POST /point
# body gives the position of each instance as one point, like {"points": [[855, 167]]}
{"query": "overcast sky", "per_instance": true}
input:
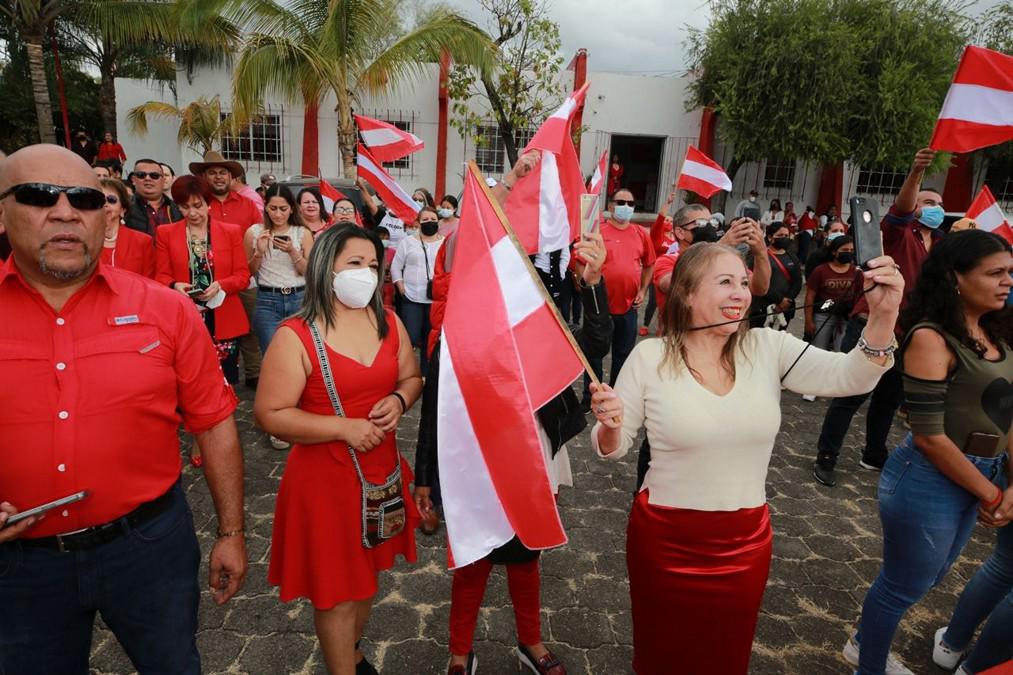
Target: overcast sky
{"points": [[636, 36]]}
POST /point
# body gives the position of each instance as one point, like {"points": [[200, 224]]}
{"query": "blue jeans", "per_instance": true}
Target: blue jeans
{"points": [[886, 398], [144, 584], [989, 594], [272, 309], [927, 520], [624, 339], [415, 316]]}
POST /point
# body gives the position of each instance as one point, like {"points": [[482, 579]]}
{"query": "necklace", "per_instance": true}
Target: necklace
{"points": [[199, 245]]}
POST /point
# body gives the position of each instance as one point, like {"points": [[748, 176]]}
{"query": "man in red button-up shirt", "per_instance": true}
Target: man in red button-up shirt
{"points": [[99, 367]]}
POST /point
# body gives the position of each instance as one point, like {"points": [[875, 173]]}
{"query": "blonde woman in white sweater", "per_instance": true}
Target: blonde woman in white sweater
{"points": [[708, 392]]}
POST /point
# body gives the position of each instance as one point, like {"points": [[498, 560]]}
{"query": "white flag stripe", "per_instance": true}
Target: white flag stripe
{"points": [[553, 217], [566, 109], [476, 521], [366, 165], [990, 218], [978, 104], [520, 294], [708, 174], [374, 137]]}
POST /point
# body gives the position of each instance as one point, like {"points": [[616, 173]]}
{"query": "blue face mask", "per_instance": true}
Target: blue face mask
{"points": [[932, 216], [622, 213]]}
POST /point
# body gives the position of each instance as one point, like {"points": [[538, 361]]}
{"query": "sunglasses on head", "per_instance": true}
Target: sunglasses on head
{"points": [[624, 202], [45, 195], [153, 175]]}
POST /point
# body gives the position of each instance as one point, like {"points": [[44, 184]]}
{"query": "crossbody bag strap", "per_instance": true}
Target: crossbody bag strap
{"points": [[332, 391], [425, 256]]}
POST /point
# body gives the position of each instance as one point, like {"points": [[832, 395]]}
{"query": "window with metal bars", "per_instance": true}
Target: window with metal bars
{"points": [[489, 149], [880, 181], [999, 179], [259, 141], [779, 174], [406, 161]]}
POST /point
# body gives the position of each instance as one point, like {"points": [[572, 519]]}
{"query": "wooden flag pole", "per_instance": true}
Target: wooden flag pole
{"points": [[473, 168]]}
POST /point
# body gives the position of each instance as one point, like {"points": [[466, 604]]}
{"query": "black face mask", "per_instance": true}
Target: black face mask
{"points": [[846, 258], [705, 233], [778, 243], [429, 228]]}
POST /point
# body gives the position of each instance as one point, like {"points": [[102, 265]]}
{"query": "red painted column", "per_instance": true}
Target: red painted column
{"points": [[708, 123], [441, 128], [579, 78], [959, 184], [310, 140], [831, 189]]}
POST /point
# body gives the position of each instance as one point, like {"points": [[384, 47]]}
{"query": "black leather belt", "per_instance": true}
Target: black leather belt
{"points": [[103, 534], [288, 290]]}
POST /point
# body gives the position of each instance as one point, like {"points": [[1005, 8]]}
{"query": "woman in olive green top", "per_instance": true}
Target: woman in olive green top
{"points": [[953, 467]]}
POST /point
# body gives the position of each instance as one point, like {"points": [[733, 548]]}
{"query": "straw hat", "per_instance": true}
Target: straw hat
{"points": [[213, 158]]}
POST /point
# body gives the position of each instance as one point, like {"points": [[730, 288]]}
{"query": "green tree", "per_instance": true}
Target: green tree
{"points": [[307, 49], [826, 80], [201, 123], [525, 88]]}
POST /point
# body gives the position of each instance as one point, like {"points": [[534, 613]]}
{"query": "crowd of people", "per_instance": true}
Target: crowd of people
{"points": [[126, 302]]}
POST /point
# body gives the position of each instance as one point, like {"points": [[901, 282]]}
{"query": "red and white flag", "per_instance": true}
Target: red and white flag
{"points": [[702, 175], [495, 372], [978, 110], [598, 177], [985, 211], [331, 196], [386, 141], [399, 202], [544, 206]]}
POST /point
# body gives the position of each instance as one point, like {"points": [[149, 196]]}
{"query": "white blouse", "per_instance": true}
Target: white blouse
{"points": [[710, 452]]}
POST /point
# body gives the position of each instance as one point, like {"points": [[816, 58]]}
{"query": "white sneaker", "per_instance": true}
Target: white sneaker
{"points": [[808, 397], [962, 671], [942, 655], [893, 664], [279, 444]]}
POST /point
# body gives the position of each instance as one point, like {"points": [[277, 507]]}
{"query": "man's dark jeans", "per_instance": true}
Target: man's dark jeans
{"points": [[886, 398], [144, 584], [624, 338]]}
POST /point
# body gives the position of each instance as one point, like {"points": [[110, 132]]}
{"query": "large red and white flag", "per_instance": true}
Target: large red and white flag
{"points": [[987, 213], [495, 372], [598, 177], [544, 206], [386, 141], [331, 195], [702, 175], [394, 197], [978, 110]]}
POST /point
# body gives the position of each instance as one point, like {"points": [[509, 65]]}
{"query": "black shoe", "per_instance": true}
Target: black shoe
{"points": [[364, 667], [872, 463], [824, 473]]}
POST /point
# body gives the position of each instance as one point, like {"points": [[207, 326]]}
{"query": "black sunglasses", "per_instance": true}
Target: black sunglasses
{"points": [[112, 199], [624, 202], [46, 195], [153, 175]]}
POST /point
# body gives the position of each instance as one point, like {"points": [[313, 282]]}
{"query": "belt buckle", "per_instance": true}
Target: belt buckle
{"points": [[286, 290], [59, 544]]}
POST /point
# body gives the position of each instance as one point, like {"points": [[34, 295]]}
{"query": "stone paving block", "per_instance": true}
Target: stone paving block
{"points": [[219, 649], [581, 627], [277, 653]]}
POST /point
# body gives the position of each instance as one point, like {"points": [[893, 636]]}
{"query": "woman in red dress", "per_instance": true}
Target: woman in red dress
{"points": [[319, 549], [124, 248]]}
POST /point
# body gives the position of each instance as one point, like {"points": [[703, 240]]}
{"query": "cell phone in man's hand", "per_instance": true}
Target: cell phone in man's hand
{"points": [[38, 510]]}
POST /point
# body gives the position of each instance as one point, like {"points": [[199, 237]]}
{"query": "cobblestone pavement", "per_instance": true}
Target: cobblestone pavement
{"points": [[827, 548]]}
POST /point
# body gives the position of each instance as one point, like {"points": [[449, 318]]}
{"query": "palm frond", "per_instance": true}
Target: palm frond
{"points": [[271, 63], [137, 118]]}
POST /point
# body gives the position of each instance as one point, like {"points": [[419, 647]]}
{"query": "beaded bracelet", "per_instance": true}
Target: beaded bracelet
{"points": [[404, 404], [230, 533]]}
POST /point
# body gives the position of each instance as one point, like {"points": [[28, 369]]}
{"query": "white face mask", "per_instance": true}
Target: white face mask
{"points": [[354, 288], [752, 199]]}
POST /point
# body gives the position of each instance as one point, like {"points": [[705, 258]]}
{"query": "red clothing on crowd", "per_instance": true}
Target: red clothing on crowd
{"points": [[316, 545], [615, 175], [133, 252], [94, 394], [468, 589], [791, 220], [807, 223], [229, 268], [110, 152], [903, 242], [695, 575], [441, 286], [836, 286], [236, 209], [662, 236], [663, 266], [629, 252]]}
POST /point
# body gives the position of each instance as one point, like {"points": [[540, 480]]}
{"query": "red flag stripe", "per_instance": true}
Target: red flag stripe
{"points": [[985, 67], [394, 197], [978, 109], [386, 141]]}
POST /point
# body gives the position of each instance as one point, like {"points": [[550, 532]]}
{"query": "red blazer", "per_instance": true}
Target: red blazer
{"points": [[134, 251], [231, 270]]}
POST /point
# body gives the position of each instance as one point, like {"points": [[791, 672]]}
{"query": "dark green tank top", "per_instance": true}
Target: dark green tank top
{"points": [[977, 395]]}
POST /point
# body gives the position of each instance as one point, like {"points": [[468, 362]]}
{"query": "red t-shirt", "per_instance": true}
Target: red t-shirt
{"points": [[236, 209], [629, 252], [110, 151], [94, 394], [662, 236], [836, 286], [133, 252]]}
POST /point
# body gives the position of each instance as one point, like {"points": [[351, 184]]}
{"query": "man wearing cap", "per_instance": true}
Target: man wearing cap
{"points": [[150, 207], [267, 180], [229, 206], [100, 366]]}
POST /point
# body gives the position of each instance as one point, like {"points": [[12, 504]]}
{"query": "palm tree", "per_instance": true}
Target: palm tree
{"points": [[201, 123], [306, 49], [32, 20]]}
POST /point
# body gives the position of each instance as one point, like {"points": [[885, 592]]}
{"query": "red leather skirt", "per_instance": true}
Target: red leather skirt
{"points": [[696, 584]]}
